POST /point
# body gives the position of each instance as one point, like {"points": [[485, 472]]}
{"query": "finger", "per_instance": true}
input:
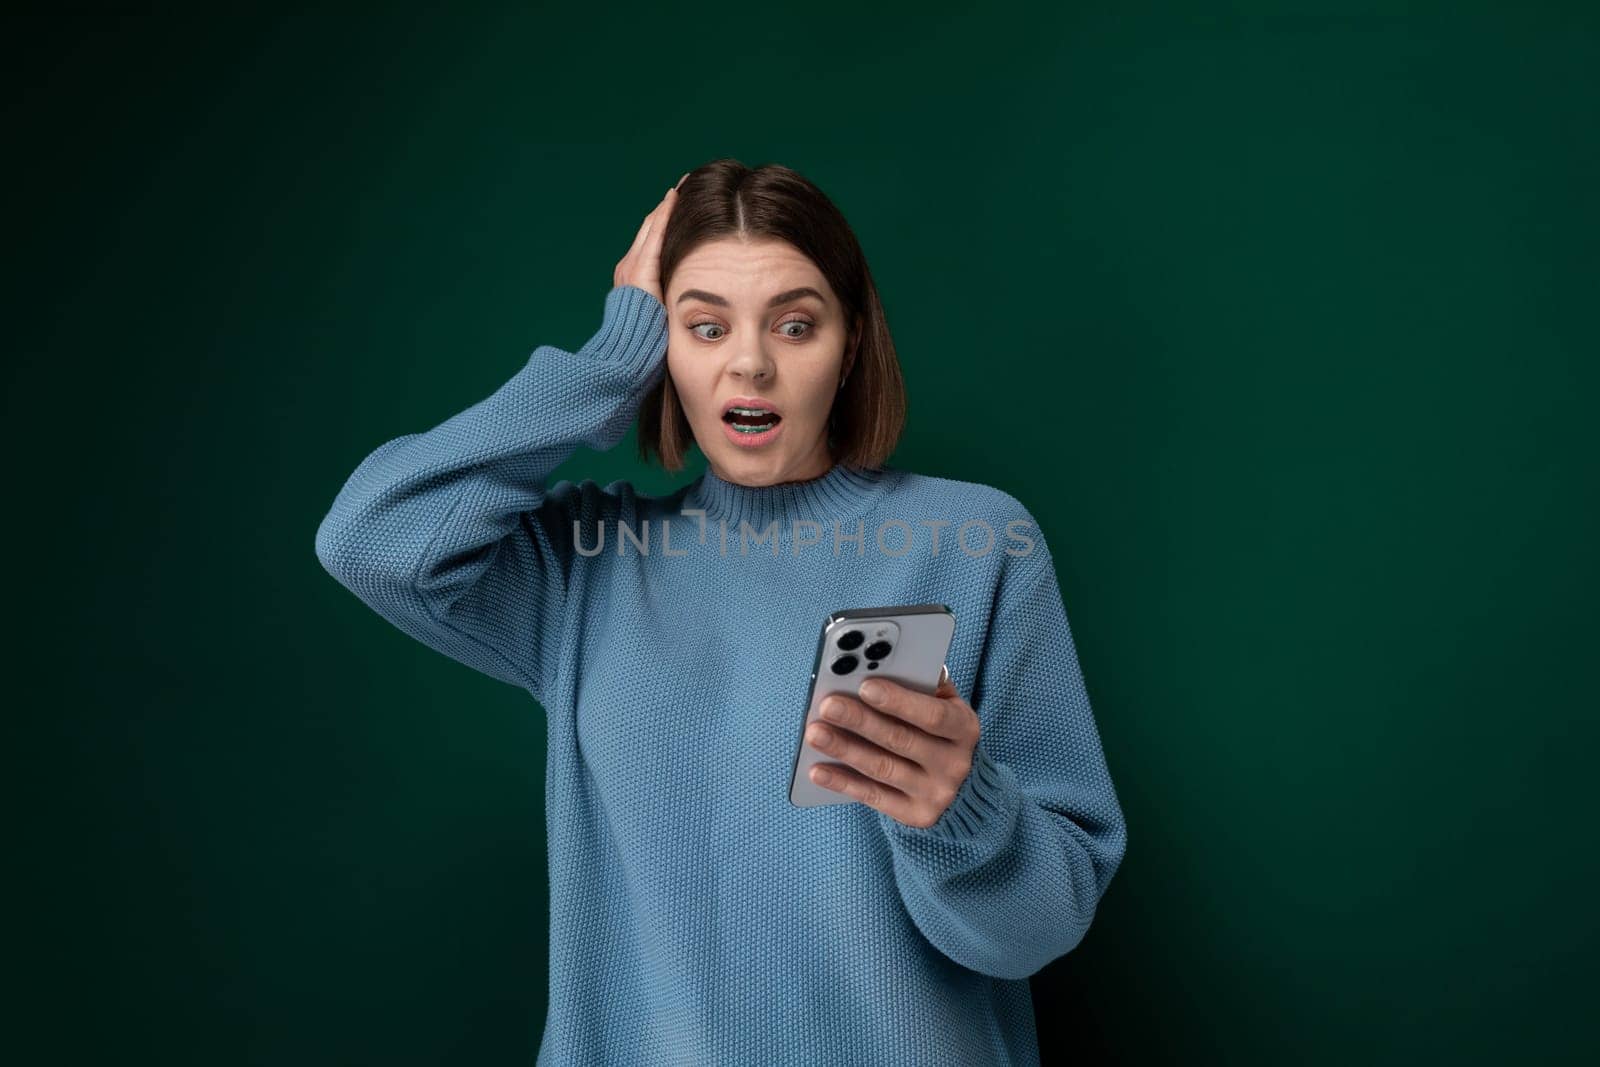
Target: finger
{"points": [[876, 763], [658, 225], [625, 264], [854, 784], [641, 245], [887, 732], [942, 716]]}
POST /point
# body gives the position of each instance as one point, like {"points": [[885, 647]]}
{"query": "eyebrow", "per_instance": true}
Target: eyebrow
{"points": [[781, 298]]}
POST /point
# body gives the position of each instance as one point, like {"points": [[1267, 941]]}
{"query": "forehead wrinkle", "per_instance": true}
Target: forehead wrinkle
{"points": [[781, 298]]}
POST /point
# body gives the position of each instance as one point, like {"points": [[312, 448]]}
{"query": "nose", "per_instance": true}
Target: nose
{"points": [[753, 364]]}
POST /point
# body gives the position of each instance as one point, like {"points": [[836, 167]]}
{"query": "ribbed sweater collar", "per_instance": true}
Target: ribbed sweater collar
{"points": [[843, 492]]}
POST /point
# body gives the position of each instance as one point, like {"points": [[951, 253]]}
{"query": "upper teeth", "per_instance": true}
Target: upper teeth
{"points": [[751, 411]]}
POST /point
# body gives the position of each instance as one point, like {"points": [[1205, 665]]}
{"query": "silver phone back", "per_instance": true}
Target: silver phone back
{"points": [[919, 638]]}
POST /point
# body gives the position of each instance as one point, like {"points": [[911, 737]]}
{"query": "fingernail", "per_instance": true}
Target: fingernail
{"points": [[820, 735], [871, 691]]}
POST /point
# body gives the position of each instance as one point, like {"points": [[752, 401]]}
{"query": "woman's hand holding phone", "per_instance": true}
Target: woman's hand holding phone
{"points": [[907, 753]]}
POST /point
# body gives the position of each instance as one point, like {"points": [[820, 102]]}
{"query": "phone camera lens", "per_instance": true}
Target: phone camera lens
{"points": [[844, 664], [878, 650], [851, 639]]}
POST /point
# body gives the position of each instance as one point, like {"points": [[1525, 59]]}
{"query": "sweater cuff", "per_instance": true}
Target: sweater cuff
{"points": [[633, 330], [986, 804]]}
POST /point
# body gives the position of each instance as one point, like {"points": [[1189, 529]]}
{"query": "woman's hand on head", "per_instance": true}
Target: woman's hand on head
{"points": [[641, 267]]}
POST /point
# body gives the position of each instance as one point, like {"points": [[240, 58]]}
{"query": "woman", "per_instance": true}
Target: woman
{"points": [[697, 916]]}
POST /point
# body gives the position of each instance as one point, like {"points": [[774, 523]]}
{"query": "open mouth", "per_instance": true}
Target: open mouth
{"points": [[751, 420]]}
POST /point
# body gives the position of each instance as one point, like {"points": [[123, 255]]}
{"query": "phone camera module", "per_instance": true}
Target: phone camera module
{"points": [[878, 650], [850, 640], [844, 664]]}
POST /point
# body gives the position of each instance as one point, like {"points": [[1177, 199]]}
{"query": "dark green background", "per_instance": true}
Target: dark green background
{"points": [[1302, 302]]}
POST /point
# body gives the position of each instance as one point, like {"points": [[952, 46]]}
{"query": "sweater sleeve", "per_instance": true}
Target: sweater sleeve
{"points": [[1010, 876], [452, 535]]}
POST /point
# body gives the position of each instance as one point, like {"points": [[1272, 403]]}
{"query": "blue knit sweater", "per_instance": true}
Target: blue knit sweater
{"points": [[696, 915]]}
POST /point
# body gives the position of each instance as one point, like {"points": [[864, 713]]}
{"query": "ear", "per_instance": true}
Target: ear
{"points": [[851, 350]]}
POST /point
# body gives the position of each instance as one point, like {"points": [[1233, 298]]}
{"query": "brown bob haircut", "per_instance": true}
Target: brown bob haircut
{"points": [[725, 198]]}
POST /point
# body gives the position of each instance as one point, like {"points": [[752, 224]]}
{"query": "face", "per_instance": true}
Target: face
{"points": [[731, 345]]}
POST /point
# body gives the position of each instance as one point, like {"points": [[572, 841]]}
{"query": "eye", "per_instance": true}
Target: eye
{"points": [[810, 327]]}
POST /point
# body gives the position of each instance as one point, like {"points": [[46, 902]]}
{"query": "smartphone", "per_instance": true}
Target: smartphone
{"points": [[906, 644]]}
